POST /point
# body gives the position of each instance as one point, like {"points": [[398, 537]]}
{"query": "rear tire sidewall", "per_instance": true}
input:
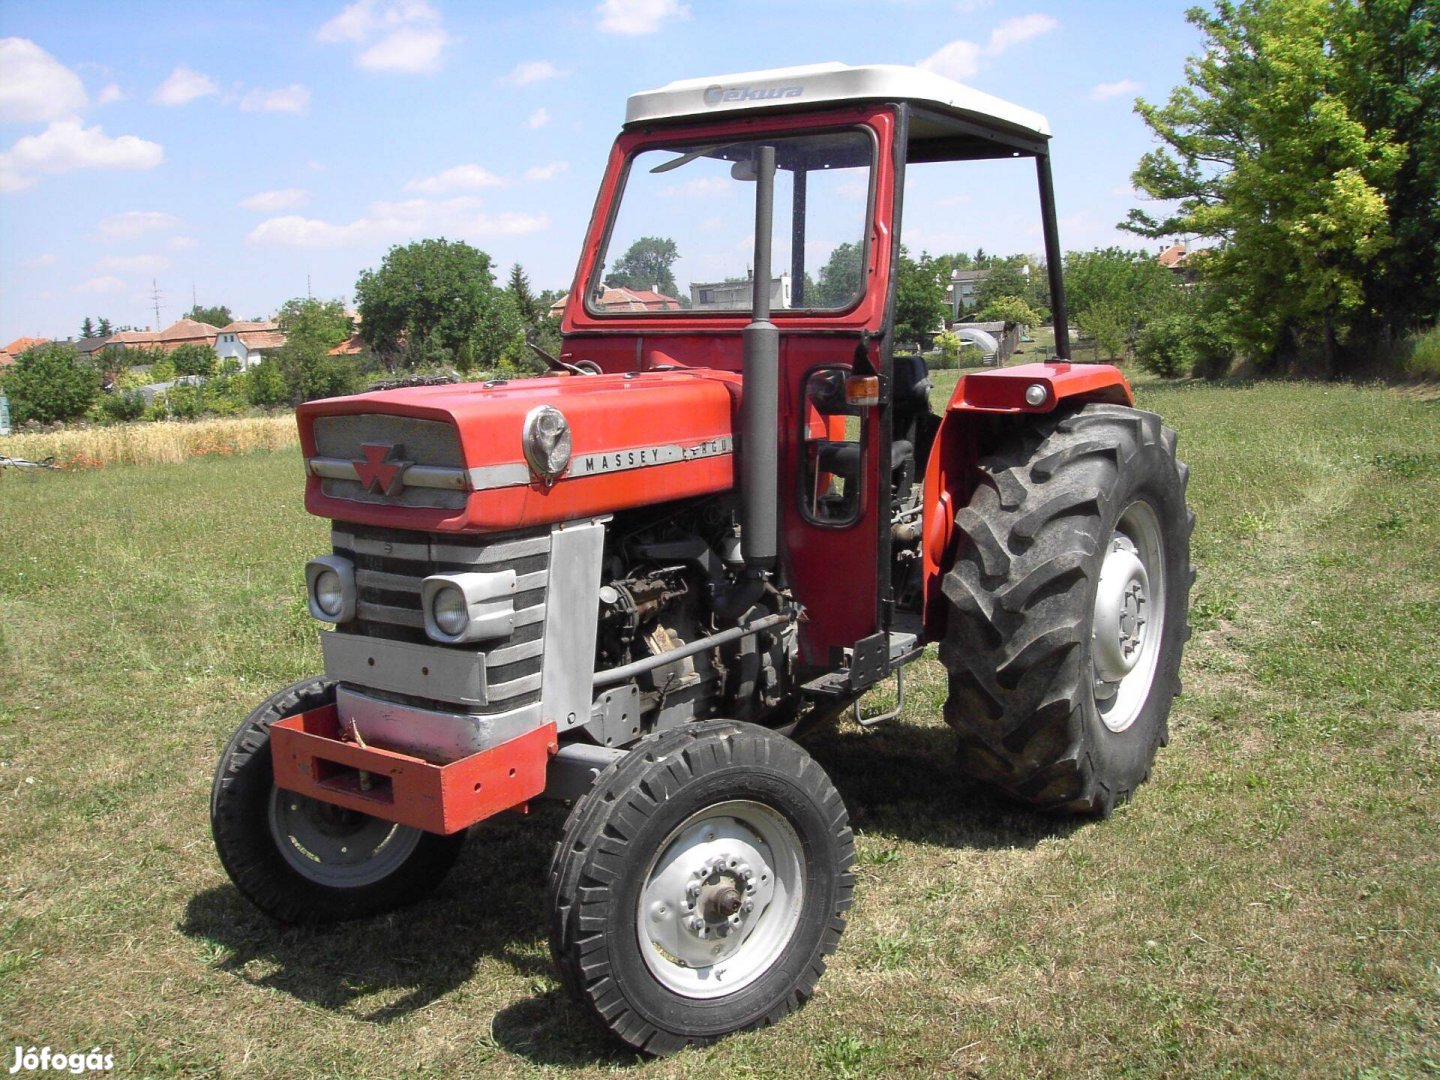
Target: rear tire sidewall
{"points": [[689, 1017], [1124, 757]]}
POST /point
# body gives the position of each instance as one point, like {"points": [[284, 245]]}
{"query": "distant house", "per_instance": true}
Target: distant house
{"points": [[1176, 259], [22, 344], [614, 298], [351, 346], [182, 332], [737, 295], [6, 359], [960, 293], [247, 342]]}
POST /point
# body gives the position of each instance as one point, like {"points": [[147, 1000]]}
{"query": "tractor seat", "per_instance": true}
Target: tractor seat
{"points": [[843, 458]]}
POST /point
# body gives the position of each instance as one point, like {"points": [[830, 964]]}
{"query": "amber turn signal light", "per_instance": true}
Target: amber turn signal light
{"points": [[862, 390]]}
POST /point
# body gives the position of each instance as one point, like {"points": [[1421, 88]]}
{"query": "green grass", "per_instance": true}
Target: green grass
{"points": [[1269, 906]]}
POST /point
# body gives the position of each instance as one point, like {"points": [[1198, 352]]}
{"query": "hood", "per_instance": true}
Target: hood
{"points": [[451, 458]]}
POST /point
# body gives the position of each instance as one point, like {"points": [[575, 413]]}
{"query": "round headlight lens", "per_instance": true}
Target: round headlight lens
{"points": [[329, 593], [450, 611], [547, 441]]}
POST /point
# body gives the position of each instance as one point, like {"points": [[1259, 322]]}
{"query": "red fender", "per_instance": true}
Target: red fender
{"points": [[950, 473]]}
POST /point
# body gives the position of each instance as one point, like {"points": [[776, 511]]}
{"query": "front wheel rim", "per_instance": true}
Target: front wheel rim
{"points": [[721, 900], [335, 847], [1128, 622]]}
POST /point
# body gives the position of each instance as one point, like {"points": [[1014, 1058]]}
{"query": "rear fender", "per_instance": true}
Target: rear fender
{"points": [[966, 431]]}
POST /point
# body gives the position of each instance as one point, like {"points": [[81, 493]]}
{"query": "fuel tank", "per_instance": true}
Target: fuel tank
{"points": [[453, 458]]}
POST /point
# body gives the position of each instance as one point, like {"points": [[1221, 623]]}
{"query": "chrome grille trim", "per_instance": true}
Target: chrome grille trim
{"points": [[390, 567]]}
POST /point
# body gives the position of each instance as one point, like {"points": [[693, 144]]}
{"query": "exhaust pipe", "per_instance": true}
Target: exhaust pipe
{"points": [[760, 406]]}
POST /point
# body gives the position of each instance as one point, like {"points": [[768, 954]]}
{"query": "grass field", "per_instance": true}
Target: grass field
{"points": [[1269, 906]]}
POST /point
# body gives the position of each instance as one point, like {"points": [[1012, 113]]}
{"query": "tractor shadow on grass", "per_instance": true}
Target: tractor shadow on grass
{"points": [[902, 781], [899, 781], [490, 908]]}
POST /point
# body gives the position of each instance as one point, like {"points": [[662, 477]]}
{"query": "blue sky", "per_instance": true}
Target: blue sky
{"points": [[229, 150]]}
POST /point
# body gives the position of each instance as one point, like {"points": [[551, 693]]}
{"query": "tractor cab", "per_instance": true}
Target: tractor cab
{"points": [[779, 194]]}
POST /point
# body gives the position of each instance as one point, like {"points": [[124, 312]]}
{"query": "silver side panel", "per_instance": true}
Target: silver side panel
{"points": [[572, 610], [398, 667], [435, 736]]}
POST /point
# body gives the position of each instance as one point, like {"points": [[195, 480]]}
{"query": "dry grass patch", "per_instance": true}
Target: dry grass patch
{"points": [[153, 443]]}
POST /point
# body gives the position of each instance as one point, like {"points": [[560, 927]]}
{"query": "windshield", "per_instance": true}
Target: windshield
{"points": [[683, 237]]}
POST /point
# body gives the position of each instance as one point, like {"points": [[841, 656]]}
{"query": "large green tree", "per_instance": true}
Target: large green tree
{"points": [[1113, 294], [919, 299], [839, 281], [647, 264], [50, 382], [1301, 131], [425, 302], [318, 322], [215, 316]]}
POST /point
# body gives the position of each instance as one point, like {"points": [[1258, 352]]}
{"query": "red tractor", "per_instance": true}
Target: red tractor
{"points": [[724, 517]]}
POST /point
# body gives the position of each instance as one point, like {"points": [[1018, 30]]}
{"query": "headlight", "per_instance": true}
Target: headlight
{"points": [[461, 608], [451, 611], [329, 594], [330, 588], [547, 442]]}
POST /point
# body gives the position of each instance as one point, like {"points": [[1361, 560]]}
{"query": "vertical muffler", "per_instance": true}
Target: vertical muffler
{"points": [[760, 406]]}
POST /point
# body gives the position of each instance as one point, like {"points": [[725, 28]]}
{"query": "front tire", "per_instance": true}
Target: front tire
{"points": [[302, 861], [1067, 608], [699, 886]]}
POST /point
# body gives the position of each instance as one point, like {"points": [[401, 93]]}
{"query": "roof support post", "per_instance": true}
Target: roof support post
{"points": [[1054, 260]]}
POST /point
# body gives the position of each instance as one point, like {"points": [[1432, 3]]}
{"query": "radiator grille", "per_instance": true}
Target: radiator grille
{"points": [[428, 444], [390, 564]]}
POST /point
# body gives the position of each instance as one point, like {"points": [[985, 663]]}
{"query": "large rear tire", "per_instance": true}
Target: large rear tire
{"points": [[1067, 608], [699, 886], [302, 861]]}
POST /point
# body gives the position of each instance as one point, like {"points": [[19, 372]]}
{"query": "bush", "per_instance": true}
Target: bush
{"points": [[949, 344], [49, 383], [124, 405], [1424, 358], [1185, 344], [1011, 310], [194, 360], [265, 385]]}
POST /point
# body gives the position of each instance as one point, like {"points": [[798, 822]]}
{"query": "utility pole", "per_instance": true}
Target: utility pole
{"points": [[309, 295], [155, 297]]}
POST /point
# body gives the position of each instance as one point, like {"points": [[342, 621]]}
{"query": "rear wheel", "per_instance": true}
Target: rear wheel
{"points": [[1067, 608], [699, 886], [303, 861]]}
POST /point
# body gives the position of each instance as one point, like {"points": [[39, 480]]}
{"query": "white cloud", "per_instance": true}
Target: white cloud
{"points": [[538, 119], [546, 172], [133, 264], [40, 261], [293, 99], [459, 217], [962, 59], [460, 178], [1123, 88], [1012, 32], [110, 94], [36, 87], [638, 16], [411, 51], [136, 223], [183, 86], [66, 146], [531, 71], [183, 243], [706, 187], [107, 285], [315, 166], [270, 201], [957, 60], [410, 35], [970, 7]]}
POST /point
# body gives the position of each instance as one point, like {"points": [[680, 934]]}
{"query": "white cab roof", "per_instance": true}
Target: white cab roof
{"points": [[822, 84]]}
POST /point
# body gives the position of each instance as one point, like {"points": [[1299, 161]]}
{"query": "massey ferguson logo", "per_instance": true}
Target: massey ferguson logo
{"points": [[382, 470], [715, 95]]}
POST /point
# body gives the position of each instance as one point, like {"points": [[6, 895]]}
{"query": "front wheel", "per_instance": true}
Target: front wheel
{"points": [[1067, 608], [304, 861], [699, 886]]}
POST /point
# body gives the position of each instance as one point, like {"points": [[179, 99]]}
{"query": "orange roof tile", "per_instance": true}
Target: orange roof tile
{"points": [[21, 344], [187, 329]]}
